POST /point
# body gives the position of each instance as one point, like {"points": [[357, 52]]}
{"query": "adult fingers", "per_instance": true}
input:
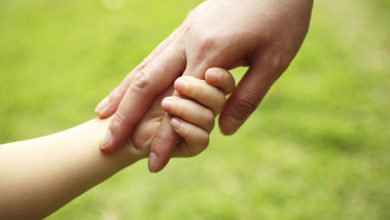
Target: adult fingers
{"points": [[163, 145], [144, 87], [220, 78], [110, 104], [245, 98]]}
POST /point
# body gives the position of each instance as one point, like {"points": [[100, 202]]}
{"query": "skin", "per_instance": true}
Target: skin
{"points": [[39, 176], [262, 34]]}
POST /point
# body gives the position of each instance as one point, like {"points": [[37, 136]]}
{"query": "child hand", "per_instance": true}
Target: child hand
{"points": [[193, 112]]}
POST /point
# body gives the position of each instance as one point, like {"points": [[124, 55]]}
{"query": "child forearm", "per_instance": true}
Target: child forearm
{"points": [[39, 176]]}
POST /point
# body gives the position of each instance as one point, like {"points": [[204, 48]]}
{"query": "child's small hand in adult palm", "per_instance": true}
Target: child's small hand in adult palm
{"points": [[193, 112]]}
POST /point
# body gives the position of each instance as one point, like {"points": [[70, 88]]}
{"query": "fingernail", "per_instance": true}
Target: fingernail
{"points": [[212, 76], [153, 160], [107, 140], [167, 105], [230, 124], [180, 85], [175, 123], [102, 105]]}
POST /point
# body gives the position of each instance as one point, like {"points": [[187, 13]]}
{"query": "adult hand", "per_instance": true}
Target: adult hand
{"points": [[263, 34]]}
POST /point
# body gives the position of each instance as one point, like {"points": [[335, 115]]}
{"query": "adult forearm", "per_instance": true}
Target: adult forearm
{"points": [[39, 176]]}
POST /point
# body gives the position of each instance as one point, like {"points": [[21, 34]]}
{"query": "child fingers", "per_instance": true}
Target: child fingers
{"points": [[190, 111], [202, 92], [220, 78], [195, 138]]}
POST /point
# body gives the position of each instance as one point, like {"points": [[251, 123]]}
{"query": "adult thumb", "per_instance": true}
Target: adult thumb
{"points": [[245, 98]]}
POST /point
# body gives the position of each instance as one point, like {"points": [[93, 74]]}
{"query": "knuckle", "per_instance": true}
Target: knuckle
{"points": [[177, 110], [163, 66], [192, 86], [278, 63], [186, 131], [140, 81], [177, 106], [118, 119], [206, 44], [207, 41], [244, 105], [210, 119], [158, 141], [142, 65], [196, 91], [187, 27], [201, 89], [192, 89], [119, 124]]}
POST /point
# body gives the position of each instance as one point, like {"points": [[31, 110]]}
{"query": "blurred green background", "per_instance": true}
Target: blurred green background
{"points": [[317, 148]]}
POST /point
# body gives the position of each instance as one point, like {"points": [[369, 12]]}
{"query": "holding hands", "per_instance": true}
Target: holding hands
{"points": [[262, 34], [57, 168], [155, 114], [193, 113]]}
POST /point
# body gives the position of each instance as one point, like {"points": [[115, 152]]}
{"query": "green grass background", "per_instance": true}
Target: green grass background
{"points": [[317, 148]]}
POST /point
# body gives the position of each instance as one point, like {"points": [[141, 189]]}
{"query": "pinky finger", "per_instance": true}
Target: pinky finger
{"points": [[195, 138]]}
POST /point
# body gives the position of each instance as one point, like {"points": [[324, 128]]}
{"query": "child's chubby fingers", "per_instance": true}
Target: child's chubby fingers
{"points": [[220, 78], [195, 138], [190, 111], [199, 90]]}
